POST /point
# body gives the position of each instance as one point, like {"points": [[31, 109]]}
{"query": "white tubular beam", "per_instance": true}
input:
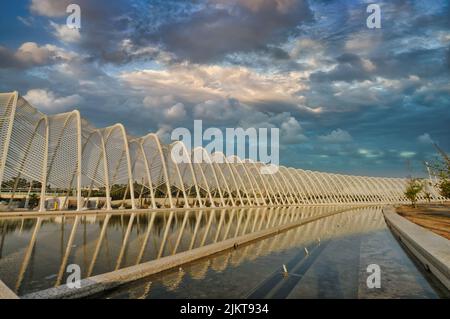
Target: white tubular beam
{"points": [[218, 160], [295, 180], [149, 175], [286, 189], [44, 168], [258, 171], [202, 174], [66, 155], [128, 159], [214, 174], [9, 114], [308, 196], [178, 173], [79, 199]]}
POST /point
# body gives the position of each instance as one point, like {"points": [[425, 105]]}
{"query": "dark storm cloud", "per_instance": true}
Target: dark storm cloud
{"points": [[206, 33], [426, 63], [241, 26], [30, 55], [350, 67], [8, 60], [104, 25]]}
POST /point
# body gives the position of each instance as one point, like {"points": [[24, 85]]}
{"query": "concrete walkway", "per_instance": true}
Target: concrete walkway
{"points": [[431, 249]]}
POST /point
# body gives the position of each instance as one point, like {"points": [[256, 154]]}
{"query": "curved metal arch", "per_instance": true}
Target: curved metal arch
{"points": [[258, 170], [189, 164], [5, 145], [201, 149], [370, 188], [288, 194], [248, 163], [156, 140], [285, 173], [330, 192], [388, 186], [367, 187], [319, 186], [338, 188], [77, 169], [233, 176], [352, 196], [385, 195], [355, 180], [300, 193], [308, 196], [310, 184], [109, 130], [147, 159], [238, 161], [102, 158], [222, 176], [280, 193]]}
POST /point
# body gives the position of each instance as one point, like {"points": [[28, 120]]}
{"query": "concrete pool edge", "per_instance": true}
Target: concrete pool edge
{"points": [[33, 214], [431, 249], [6, 293], [100, 283]]}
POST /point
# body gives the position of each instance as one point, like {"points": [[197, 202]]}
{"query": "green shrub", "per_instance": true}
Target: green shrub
{"points": [[413, 188]]}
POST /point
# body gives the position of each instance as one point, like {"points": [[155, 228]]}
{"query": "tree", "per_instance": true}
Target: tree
{"points": [[413, 188], [33, 201], [427, 196], [441, 168], [444, 187]]}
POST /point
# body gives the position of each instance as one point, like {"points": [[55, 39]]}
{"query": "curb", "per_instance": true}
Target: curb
{"points": [[6, 293], [32, 214], [431, 249]]}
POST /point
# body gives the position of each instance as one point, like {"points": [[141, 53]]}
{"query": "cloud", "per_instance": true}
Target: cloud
{"points": [[371, 154], [349, 67], [176, 112], [306, 67], [407, 154], [425, 138], [224, 27], [221, 111], [363, 42], [65, 34], [164, 133], [197, 83], [105, 24], [49, 8], [47, 101], [30, 54], [291, 132], [336, 136]]}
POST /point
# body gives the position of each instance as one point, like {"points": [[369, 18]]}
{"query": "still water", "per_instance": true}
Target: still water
{"points": [[35, 252], [334, 265], [325, 258]]}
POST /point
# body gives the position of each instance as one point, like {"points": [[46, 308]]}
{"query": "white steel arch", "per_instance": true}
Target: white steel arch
{"points": [[63, 156]]}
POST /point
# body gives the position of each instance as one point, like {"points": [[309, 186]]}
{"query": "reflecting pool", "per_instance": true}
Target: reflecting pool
{"points": [[327, 258], [35, 252]]}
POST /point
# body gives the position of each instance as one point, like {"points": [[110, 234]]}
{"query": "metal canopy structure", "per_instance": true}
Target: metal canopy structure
{"points": [[64, 156]]}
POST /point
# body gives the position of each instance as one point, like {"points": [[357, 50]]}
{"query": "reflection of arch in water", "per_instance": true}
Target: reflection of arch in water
{"points": [[198, 270], [196, 229], [173, 279], [344, 224]]}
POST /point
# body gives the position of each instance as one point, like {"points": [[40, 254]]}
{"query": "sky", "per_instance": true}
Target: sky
{"points": [[346, 98]]}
